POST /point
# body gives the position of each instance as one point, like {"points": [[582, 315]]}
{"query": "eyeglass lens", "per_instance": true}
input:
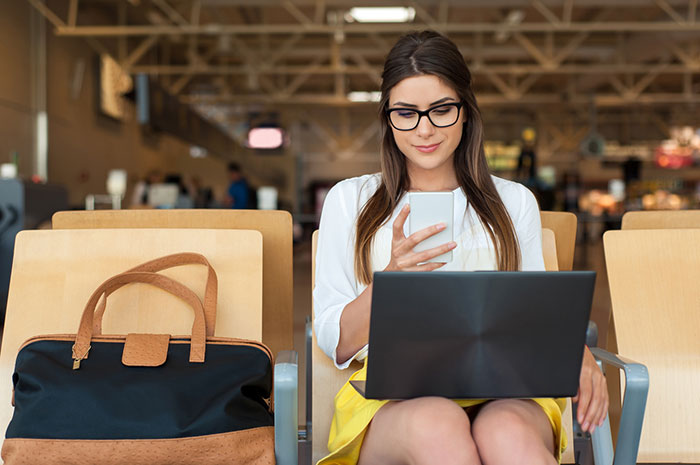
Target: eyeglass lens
{"points": [[441, 116]]}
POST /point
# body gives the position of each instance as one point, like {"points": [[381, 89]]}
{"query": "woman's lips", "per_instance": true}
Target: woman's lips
{"points": [[427, 148]]}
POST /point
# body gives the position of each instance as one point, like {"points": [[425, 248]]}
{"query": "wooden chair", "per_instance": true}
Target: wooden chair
{"points": [[680, 219], [564, 225], [54, 273], [654, 277], [549, 250], [276, 229], [327, 379]]}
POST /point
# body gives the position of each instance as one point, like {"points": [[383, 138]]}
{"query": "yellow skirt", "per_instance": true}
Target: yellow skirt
{"points": [[353, 413]]}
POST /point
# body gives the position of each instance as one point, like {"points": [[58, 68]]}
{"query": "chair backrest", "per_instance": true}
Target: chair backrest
{"points": [[680, 219], [653, 276], [55, 272], [549, 250], [326, 382], [276, 229], [683, 219], [564, 225], [327, 379]]}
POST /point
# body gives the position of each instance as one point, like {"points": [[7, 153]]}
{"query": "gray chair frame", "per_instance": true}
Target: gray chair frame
{"points": [[632, 418], [286, 388]]}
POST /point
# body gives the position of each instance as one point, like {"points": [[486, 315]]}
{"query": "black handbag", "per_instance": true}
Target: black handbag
{"points": [[144, 399]]}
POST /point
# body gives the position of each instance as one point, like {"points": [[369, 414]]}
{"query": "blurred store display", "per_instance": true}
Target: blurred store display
{"points": [[103, 201], [163, 195], [116, 190], [113, 83], [267, 198], [160, 111], [8, 171], [682, 150], [501, 156], [116, 183]]}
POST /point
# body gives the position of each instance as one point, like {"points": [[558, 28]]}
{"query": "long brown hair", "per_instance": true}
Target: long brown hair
{"points": [[422, 53]]}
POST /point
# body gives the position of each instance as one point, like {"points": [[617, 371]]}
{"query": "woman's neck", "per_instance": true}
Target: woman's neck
{"points": [[432, 181]]}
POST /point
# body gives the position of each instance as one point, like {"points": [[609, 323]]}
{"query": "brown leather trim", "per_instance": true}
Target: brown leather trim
{"points": [[145, 350], [173, 340], [199, 328], [254, 446], [163, 263]]}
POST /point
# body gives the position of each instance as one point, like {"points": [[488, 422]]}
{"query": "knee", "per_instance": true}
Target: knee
{"points": [[503, 434], [498, 428], [436, 422]]}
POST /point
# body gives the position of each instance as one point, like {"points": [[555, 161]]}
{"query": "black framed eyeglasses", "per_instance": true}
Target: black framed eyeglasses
{"points": [[440, 116]]}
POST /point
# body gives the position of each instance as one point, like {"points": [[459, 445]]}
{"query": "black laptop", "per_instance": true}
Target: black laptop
{"points": [[477, 335]]}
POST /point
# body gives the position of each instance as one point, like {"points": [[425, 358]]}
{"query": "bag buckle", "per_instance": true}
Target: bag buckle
{"points": [[77, 359]]}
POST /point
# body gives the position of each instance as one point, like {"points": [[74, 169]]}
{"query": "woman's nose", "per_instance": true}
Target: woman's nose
{"points": [[425, 127]]}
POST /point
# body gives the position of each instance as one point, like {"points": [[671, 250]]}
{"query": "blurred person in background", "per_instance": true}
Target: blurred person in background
{"points": [[184, 197], [203, 195], [140, 194], [237, 194]]}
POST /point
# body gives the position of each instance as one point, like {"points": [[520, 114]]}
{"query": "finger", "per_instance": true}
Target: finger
{"points": [[399, 222], [417, 237], [593, 411], [606, 401], [584, 399], [424, 256], [426, 266], [411, 261], [602, 412]]}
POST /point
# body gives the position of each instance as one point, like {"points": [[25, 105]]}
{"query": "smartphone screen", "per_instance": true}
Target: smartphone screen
{"points": [[428, 209]]}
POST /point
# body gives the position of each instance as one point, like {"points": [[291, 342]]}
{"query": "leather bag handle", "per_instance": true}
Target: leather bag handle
{"points": [[85, 330], [163, 263]]}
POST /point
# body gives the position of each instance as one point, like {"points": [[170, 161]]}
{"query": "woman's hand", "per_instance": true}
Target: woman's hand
{"points": [[403, 258], [592, 396]]}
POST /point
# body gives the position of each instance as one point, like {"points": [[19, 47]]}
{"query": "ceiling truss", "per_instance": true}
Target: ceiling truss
{"points": [[303, 56], [305, 52]]}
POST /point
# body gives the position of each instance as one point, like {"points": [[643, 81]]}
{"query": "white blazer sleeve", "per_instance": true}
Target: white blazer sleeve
{"points": [[528, 227], [336, 285]]}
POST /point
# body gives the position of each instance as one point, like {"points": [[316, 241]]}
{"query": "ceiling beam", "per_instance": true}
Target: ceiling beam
{"points": [[293, 10], [355, 28], [73, 13], [546, 12], [568, 11], [517, 70], [48, 13], [171, 12], [663, 4], [610, 100]]}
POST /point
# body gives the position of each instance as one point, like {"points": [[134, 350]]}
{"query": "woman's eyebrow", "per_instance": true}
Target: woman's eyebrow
{"points": [[442, 100]]}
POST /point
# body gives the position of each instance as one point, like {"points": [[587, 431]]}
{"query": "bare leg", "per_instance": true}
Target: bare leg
{"points": [[427, 430], [512, 432]]}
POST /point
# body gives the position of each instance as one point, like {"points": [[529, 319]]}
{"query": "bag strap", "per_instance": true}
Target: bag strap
{"points": [[85, 330], [163, 263]]}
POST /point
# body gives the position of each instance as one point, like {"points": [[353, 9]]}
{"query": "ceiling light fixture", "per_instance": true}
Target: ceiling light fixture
{"points": [[364, 96], [381, 14]]}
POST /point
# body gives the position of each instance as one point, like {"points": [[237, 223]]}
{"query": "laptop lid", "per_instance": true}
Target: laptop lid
{"points": [[477, 334]]}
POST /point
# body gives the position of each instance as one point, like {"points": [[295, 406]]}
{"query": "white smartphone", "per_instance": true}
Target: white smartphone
{"points": [[428, 209]]}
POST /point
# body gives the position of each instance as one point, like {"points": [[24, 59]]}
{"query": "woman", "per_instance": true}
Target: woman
{"points": [[432, 141]]}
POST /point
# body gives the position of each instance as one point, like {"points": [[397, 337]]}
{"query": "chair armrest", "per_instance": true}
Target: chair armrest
{"points": [[632, 417], [286, 386]]}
